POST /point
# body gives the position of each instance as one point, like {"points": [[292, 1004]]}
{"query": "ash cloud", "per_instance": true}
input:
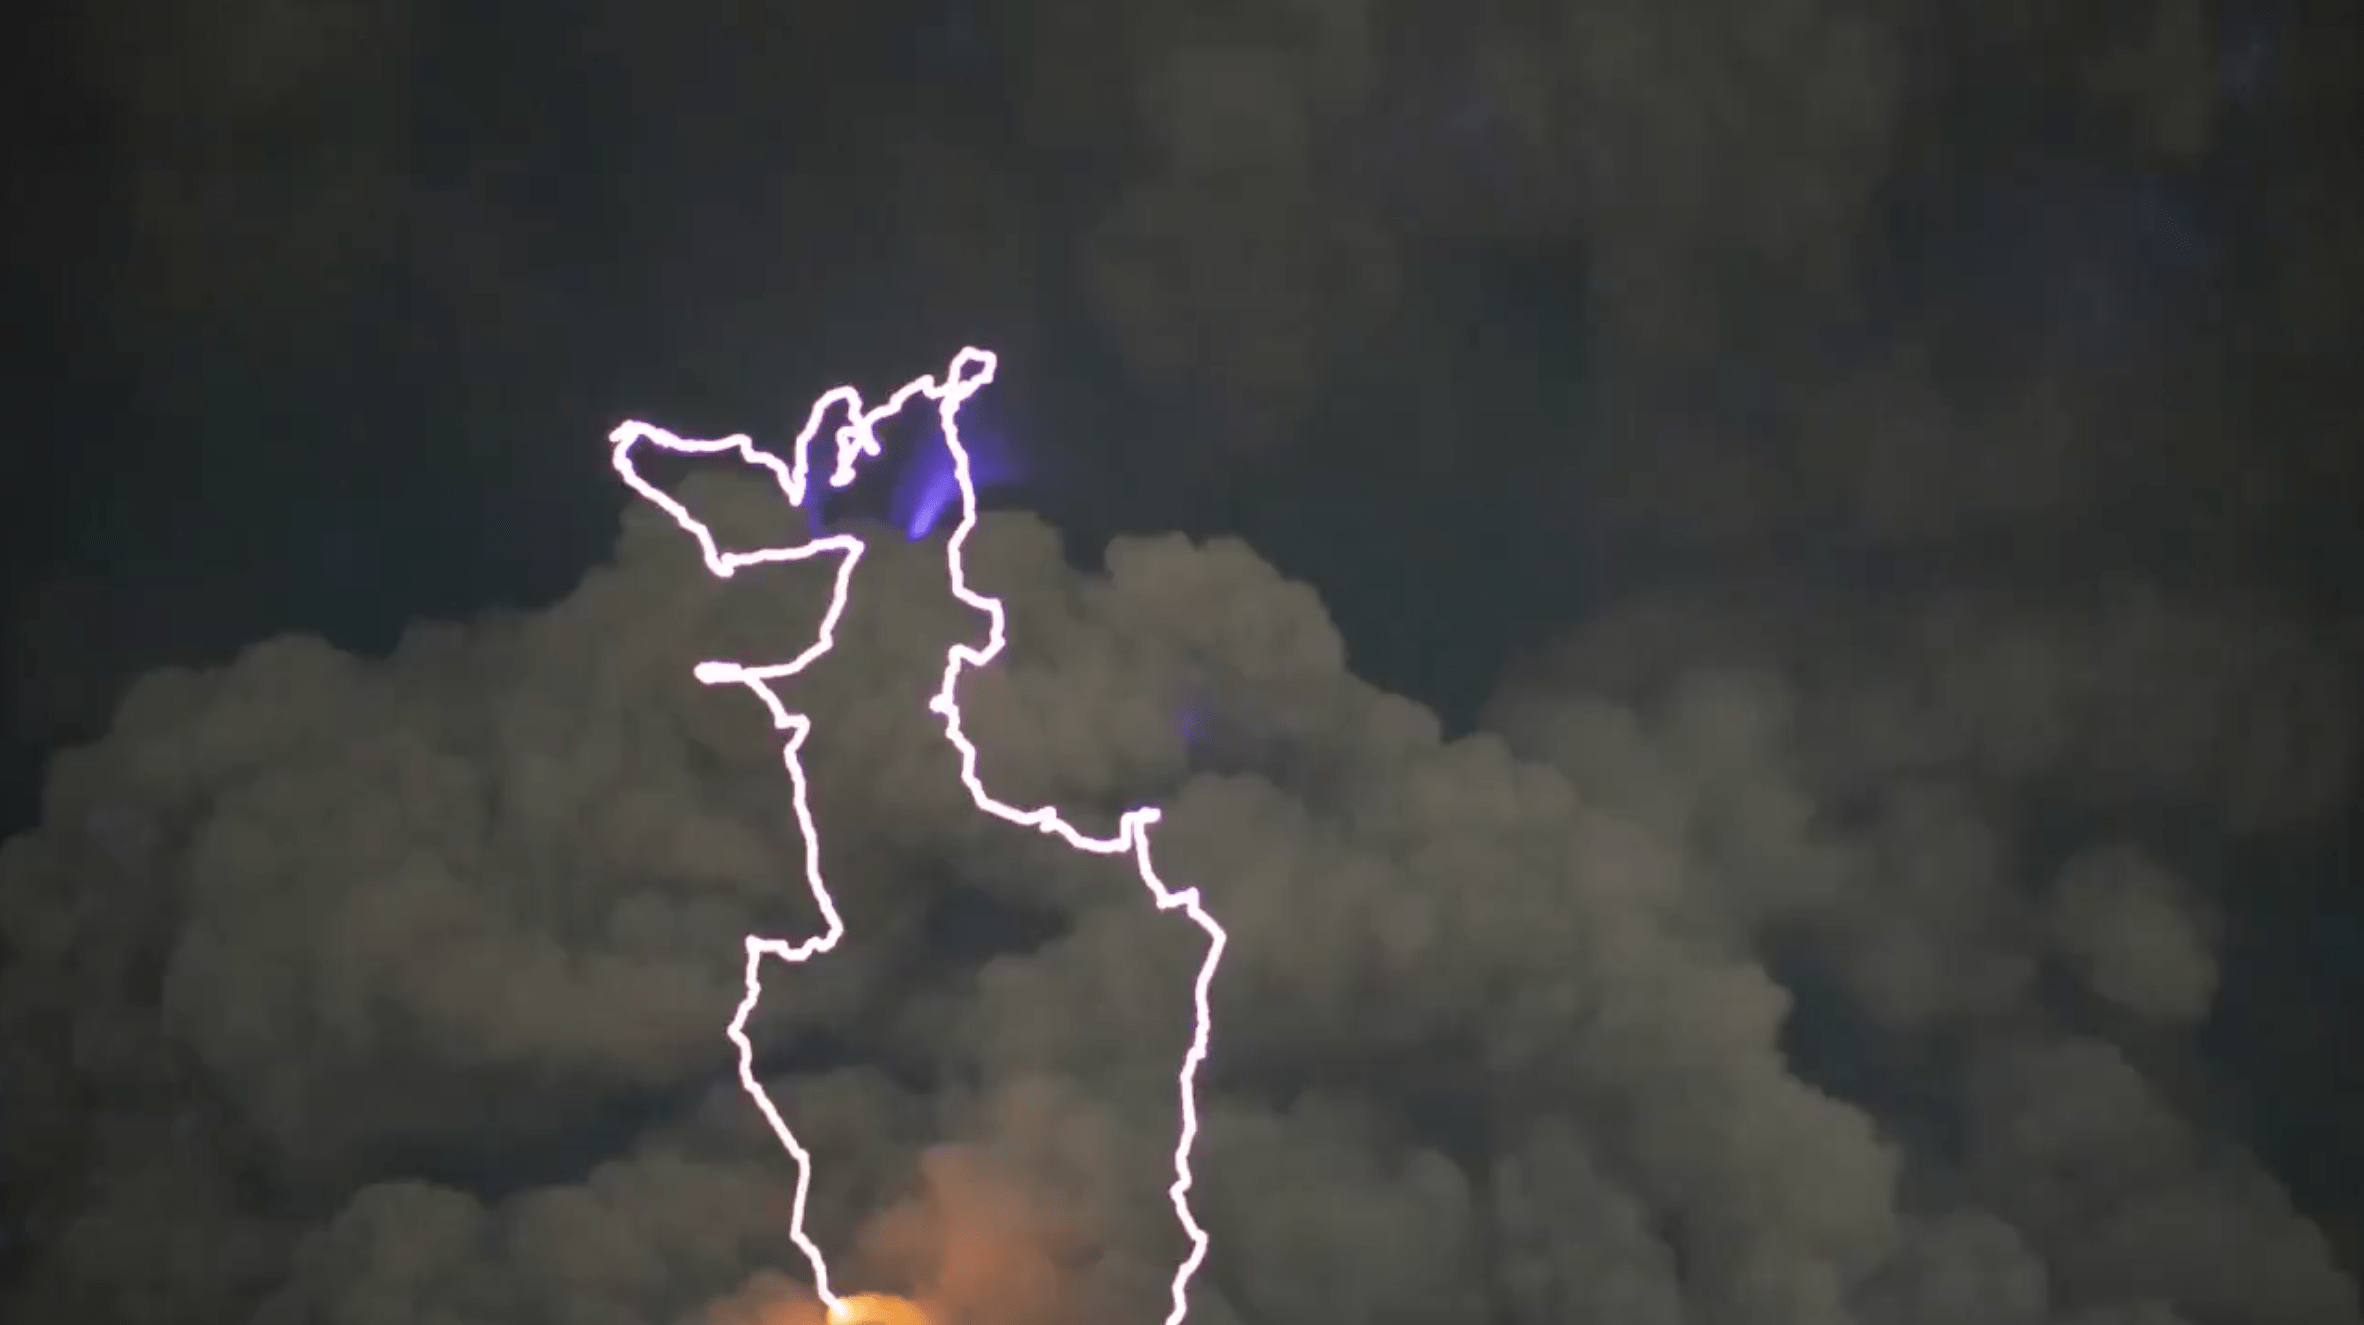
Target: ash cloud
{"points": [[2132, 933], [420, 965], [1887, 891], [1895, 849]]}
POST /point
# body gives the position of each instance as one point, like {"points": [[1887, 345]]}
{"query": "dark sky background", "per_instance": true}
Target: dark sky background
{"points": [[1745, 605]]}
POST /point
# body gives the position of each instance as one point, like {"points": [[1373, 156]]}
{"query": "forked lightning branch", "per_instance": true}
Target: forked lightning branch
{"points": [[855, 441]]}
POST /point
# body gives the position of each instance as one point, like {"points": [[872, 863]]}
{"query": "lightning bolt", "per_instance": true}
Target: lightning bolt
{"points": [[856, 439]]}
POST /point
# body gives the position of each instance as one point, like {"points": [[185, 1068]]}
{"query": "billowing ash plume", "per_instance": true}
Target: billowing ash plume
{"points": [[1827, 927], [392, 990]]}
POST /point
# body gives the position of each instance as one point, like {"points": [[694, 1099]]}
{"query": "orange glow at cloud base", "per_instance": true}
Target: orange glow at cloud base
{"points": [[877, 1309], [972, 1247]]}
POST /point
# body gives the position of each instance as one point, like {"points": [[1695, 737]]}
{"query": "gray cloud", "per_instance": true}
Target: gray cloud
{"points": [[2132, 931], [447, 903], [1722, 977]]}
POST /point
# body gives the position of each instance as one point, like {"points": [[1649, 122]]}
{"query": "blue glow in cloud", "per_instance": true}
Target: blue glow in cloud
{"points": [[813, 519], [924, 490], [927, 490]]}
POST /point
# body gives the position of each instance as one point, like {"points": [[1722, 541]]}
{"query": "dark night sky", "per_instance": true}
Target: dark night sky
{"points": [[1748, 604]]}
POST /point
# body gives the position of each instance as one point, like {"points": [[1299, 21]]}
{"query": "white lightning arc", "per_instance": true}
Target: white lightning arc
{"points": [[857, 439]]}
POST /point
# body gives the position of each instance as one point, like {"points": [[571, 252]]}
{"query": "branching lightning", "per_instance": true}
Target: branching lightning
{"points": [[855, 440]]}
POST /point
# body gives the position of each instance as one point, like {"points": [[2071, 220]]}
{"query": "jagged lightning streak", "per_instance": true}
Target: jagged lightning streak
{"points": [[856, 439]]}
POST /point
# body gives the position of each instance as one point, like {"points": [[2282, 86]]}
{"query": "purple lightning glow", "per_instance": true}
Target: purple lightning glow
{"points": [[928, 487], [857, 439]]}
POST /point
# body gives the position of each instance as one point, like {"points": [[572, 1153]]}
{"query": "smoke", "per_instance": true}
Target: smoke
{"points": [[393, 989], [1878, 808], [2131, 931], [975, 1248], [1897, 890]]}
